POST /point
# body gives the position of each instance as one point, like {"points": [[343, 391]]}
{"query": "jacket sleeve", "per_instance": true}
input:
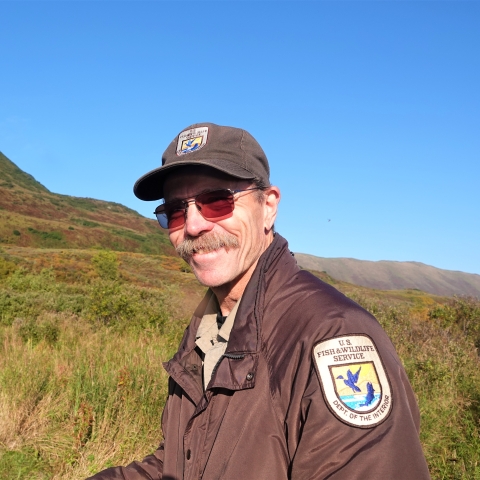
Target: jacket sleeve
{"points": [[150, 468], [331, 449]]}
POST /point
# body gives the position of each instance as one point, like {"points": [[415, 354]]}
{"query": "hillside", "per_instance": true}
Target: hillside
{"points": [[32, 216], [388, 275]]}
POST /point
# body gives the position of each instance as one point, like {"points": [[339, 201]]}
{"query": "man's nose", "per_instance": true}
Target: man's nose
{"points": [[195, 224]]}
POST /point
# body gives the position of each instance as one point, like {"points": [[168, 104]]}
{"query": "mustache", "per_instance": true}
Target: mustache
{"points": [[206, 243]]}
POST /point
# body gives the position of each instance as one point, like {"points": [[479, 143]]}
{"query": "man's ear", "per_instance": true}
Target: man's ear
{"points": [[272, 198]]}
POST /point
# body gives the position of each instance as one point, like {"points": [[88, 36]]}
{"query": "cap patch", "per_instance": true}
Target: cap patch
{"points": [[353, 380], [192, 140]]}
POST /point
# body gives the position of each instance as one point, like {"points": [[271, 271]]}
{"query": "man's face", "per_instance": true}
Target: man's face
{"points": [[246, 224]]}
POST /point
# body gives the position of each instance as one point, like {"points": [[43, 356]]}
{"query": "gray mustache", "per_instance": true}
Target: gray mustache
{"points": [[207, 243]]}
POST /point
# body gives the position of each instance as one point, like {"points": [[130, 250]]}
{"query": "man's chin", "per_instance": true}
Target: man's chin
{"points": [[210, 279], [208, 271]]}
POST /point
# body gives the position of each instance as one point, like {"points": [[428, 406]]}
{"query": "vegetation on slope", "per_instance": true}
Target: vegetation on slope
{"points": [[83, 335], [30, 215], [82, 338]]}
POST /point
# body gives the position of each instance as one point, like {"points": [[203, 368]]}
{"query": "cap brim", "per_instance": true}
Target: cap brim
{"points": [[149, 187]]}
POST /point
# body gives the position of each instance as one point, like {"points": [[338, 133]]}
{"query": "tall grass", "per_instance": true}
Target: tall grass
{"points": [[92, 399], [82, 387], [81, 381]]}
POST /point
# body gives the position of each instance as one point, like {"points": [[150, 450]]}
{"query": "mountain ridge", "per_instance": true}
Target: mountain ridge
{"points": [[394, 275]]}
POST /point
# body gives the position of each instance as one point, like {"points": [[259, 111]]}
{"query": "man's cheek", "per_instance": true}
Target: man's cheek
{"points": [[175, 239]]}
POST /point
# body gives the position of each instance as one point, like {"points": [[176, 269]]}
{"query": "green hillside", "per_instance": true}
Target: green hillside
{"points": [[12, 177], [93, 299], [32, 216]]}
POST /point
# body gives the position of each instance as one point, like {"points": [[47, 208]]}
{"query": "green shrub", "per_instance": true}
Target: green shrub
{"points": [[6, 268], [85, 223], [106, 265], [28, 295], [48, 239], [36, 330], [22, 280], [460, 315], [126, 306]]}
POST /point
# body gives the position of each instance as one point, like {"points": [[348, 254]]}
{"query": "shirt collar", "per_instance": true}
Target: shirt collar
{"points": [[207, 330]]}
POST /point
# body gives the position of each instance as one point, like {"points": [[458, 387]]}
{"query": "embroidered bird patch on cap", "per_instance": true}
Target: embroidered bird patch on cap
{"points": [[192, 140], [353, 380]]}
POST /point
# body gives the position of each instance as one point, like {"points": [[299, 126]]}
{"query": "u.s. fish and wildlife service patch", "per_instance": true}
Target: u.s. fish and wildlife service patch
{"points": [[353, 379], [192, 140]]}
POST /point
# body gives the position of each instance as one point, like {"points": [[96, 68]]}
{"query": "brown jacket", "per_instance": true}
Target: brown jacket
{"points": [[265, 413]]}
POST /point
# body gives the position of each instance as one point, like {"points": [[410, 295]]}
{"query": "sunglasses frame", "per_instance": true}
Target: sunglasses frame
{"points": [[185, 202]]}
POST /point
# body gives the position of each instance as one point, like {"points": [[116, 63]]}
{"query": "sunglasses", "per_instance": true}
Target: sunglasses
{"points": [[213, 206]]}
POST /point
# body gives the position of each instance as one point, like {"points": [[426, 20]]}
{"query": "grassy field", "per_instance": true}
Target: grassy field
{"points": [[83, 334]]}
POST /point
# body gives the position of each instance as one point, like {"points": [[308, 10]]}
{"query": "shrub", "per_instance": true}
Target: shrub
{"points": [[106, 265], [48, 239], [36, 330], [459, 315], [126, 307], [85, 223], [22, 280], [6, 268]]}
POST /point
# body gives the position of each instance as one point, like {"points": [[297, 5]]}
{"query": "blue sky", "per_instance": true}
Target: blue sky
{"points": [[369, 112]]}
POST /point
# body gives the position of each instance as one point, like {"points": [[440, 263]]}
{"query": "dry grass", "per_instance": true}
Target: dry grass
{"points": [[93, 399]]}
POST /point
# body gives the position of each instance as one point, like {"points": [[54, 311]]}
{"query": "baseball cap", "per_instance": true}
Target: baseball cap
{"points": [[228, 149]]}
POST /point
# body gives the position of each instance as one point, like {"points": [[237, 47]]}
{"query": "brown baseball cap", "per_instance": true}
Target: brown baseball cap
{"points": [[231, 150]]}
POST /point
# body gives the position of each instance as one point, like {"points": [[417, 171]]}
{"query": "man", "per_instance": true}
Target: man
{"points": [[279, 375]]}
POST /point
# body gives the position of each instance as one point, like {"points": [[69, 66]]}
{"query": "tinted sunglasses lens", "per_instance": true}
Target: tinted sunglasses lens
{"points": [[176, 218], [171, 215], [175, 213], [215, 204], [162, 219]]}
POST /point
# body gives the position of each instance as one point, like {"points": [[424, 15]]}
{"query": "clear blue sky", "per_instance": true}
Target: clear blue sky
{"points": [[369, 112]]}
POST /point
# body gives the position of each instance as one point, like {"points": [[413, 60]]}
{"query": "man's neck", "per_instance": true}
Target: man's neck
{"points": [[229, 293]]}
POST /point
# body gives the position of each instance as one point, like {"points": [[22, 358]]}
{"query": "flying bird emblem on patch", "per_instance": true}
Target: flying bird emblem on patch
{"points": [[192, 140], [353, 380]]}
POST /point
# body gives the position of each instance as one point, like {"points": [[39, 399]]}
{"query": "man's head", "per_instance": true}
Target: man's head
{"points": [[219, 204]]}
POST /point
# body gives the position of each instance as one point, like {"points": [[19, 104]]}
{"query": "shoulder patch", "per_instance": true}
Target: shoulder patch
{"points": [[353, 380]]}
